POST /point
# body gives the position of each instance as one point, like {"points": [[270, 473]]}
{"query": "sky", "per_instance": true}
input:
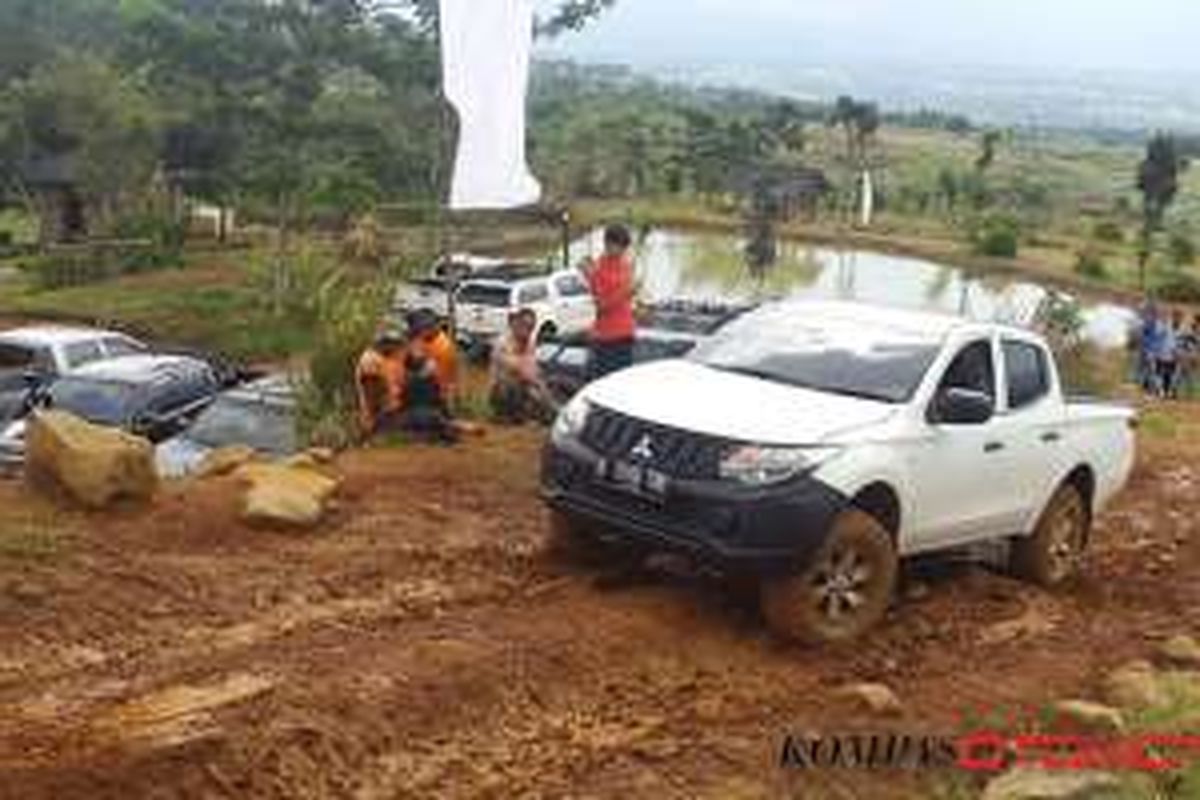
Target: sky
{"points": [[1038, 35]]}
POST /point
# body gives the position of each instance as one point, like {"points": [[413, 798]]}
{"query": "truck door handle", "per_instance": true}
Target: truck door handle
{"points": [[1051, 437], [993, 447]]}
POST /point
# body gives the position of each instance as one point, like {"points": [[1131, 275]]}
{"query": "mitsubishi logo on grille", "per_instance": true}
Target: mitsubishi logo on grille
{"points": [[643, 451]]}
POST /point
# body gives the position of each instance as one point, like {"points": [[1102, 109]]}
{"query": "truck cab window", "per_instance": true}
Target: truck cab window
{"points": [[1027, 372], [972, 369]]}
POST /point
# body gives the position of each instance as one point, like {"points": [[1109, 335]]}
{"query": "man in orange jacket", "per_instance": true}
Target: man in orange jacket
{"points": [[427, 335], [379, 380]]}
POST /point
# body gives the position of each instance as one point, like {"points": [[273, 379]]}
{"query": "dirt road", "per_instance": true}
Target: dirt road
{"points": [[424, 645]]}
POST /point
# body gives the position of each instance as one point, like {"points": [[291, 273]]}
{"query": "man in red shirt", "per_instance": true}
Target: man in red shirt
{"points": [[611, 281]]}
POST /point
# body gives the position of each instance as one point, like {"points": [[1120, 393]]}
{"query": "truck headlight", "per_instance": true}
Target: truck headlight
{"points": [[754, 465], [571, 420]]}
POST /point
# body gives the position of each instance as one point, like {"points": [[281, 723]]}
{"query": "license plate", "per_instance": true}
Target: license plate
{"points": [[632, 478]]}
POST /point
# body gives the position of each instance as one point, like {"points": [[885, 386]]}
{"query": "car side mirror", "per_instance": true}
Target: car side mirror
{"points": [[32, 379], [957, 406]]}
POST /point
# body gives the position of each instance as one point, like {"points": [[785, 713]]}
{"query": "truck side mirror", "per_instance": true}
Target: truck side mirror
{"points": [[957, 406]]}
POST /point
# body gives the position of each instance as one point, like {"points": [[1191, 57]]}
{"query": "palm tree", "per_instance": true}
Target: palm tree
{"points": [[1158, 181], [860, 121]]}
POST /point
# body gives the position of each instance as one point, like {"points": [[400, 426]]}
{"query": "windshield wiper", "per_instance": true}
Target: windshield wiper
{"points": [[751, 372], [767, 375], [861, 395]]}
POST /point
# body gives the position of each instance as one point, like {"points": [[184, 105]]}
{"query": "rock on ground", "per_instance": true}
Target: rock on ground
{"points": [[1089, 717], [1135, 686], [285, 495], [95, 466], [874, 697], [1036, 784], [225, 460], [1182, 650]]}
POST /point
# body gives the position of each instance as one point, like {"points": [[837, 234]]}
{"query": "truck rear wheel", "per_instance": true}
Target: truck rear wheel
{"points": [[844, 591], [1051, 555]]}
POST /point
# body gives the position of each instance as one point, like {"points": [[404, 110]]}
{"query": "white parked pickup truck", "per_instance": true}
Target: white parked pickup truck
{"points": [[814, 445], [561, 301]]}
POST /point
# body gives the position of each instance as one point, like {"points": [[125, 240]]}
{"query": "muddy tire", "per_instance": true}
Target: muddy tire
{"points": [[845, 590], [1051, 555]]}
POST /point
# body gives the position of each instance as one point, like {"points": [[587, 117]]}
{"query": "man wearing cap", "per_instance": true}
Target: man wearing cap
{"points": [[516, 393], [426, 334], [430, 380], [379, 379]]}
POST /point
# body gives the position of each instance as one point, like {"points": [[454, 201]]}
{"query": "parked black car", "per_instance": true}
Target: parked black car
{"points": [[665, 330], [152, 396]]}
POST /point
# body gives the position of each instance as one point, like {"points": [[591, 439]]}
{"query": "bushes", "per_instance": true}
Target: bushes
{"points": [[998, 236], [1180, 287], [160, 242], [347, 319], [1090, 264], [1109, 232], [1182, 250]]}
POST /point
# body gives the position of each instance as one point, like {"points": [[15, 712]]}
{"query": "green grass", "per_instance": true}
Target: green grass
{"points": [[21, 226], [205, 306]]}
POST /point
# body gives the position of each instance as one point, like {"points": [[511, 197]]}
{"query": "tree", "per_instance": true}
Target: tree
{"points": [[860, 122], [1158, 181], [988, 143]]}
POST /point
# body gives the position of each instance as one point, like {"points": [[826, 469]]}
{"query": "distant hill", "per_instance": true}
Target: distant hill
{"points": [[1121, 106]]}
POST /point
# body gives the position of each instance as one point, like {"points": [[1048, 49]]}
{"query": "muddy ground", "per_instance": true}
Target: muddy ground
{"points": [[423, 644]]}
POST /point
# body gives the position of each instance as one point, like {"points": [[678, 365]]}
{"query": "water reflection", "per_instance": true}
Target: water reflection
{"points": [[704, 266]]}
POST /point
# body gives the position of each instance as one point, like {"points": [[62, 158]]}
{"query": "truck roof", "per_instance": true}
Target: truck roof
{"points": [[50, 335], [138, 368], [920, 323]]}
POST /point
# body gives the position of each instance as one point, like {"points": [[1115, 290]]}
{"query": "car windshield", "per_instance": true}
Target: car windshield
{"points": [[839, 356], [485, 295], [265, 427], [101, 402]]}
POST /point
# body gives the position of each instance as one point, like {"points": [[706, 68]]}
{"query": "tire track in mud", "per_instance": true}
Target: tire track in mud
{"points": [[430, 648]]}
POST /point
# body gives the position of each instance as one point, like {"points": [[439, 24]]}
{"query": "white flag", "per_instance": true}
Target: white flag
{"points": [[486, 51]]}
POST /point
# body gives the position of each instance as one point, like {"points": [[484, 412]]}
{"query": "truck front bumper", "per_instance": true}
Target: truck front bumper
{"points": [[733, 529]]}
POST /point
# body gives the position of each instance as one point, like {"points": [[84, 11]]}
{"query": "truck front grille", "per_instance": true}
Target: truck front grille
{"points": [[678, 454]]}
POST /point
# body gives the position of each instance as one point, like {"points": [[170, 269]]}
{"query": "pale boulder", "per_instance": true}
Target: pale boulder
{"points": [[285, 495], [873, 697], [1036, 784], [225, 461], [1089, 717], [1135, 686], [1182, 650], [95, 466]]}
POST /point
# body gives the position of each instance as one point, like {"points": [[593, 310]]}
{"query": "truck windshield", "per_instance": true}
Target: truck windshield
{"points": [[836, 356], [478, 294], [265, 427], [100, 402]]}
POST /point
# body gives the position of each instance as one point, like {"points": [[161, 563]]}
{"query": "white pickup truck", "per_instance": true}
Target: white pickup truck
{"points": [[814, 445], [561, 301]]}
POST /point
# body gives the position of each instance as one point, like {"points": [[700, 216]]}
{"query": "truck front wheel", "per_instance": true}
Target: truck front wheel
{"points": [[844, 591], [1052, 553], [571, 539]]}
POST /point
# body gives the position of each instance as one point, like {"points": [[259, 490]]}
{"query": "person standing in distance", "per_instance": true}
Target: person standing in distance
{"points": [[611, 281]]}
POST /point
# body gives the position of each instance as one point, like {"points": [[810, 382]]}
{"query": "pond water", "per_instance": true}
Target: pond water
{"points": [[705, 266]]}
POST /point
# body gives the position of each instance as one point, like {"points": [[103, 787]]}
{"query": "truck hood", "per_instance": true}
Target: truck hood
{"points": [[692, 397]]}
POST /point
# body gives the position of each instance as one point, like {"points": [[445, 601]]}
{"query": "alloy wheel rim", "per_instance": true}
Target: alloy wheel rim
{"points": [[840, 584], [1064, 545]]}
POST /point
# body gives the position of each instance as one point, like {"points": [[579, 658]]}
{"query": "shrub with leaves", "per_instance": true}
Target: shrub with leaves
{"points": [[1108, 231], [997, 235], [347, 319], [1182, 250], [1089, 263]]}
